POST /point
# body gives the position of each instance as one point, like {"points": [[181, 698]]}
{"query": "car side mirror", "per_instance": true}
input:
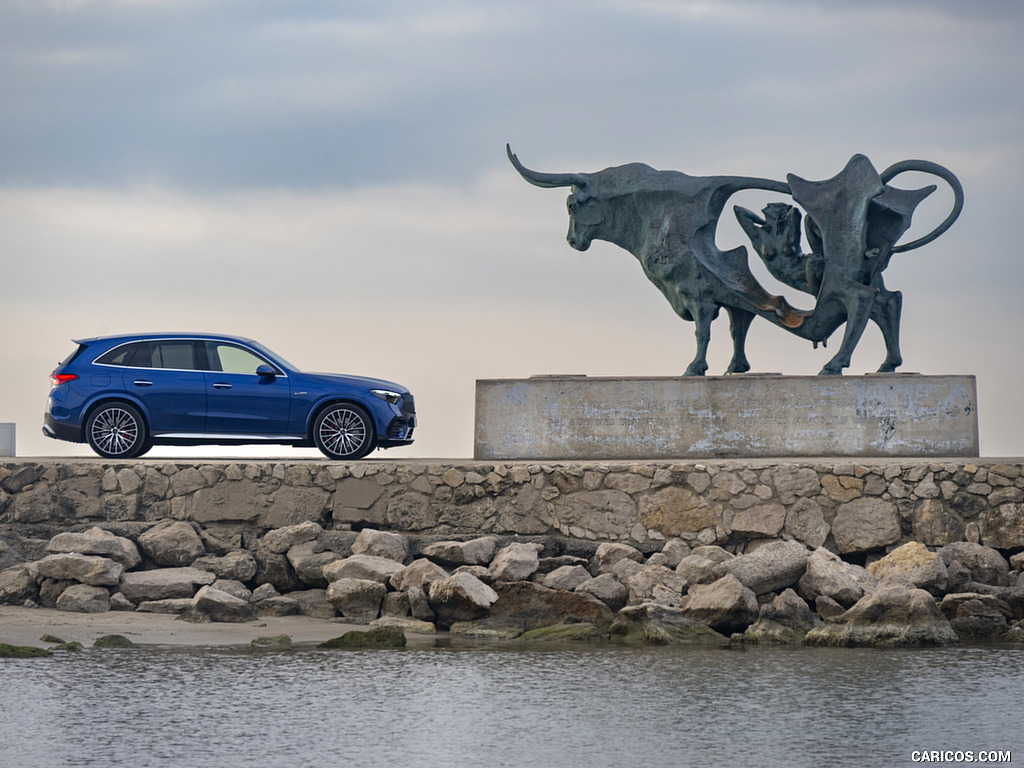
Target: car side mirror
{"points": [[266, 371]]}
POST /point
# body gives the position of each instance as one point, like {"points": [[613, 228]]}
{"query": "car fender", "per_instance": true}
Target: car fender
{"points": [[338, 397]]}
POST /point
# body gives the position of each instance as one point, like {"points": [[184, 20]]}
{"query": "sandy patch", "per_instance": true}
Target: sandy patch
{"points": [[25, 626]]}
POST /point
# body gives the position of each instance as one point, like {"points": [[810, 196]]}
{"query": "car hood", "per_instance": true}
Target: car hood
{"points": [[355, 381]]}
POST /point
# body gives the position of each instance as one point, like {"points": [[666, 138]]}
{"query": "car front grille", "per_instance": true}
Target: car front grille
{"points": [[409, 404]]}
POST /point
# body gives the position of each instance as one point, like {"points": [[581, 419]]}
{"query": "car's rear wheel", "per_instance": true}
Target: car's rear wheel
{"points": [[117, 431], [344, 431]]}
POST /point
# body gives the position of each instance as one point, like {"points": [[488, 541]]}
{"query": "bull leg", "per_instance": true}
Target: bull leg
{"points": [[702, 316], [886, 314], [739, 324], [858, 300]]}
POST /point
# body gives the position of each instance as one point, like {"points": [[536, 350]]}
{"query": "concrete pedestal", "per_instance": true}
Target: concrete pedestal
{"points": [[6, 439], [743, 416]]}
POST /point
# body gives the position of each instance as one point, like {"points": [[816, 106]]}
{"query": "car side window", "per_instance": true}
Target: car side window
{"points": [[231, 359], [118, 356], [179, 355]]}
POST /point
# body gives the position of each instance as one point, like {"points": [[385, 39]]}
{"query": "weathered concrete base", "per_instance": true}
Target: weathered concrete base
{"points": [[744, 416], [6, 439]]}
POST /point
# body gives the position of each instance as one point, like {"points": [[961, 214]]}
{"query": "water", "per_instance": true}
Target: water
{"points": [[503, 705]]}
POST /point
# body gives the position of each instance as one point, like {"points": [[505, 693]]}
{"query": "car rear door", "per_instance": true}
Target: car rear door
{"points": [[165, 376], [240, 401]]}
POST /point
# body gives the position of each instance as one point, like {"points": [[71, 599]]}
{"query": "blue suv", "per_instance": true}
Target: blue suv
{"points": [[125, 394]]}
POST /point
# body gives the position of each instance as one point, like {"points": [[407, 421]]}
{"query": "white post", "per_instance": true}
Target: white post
{"points": [[6, 439]]}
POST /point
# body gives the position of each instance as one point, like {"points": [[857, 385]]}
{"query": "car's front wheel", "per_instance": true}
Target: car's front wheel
{"points": [[344, 431], [117, 431]]}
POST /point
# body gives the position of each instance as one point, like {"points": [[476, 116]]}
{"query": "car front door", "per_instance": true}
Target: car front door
{"points": [[164, 375], [241, 401]]}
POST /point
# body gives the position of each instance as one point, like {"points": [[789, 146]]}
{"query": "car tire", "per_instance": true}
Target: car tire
{"points": [[117, 431], [344, 431]]}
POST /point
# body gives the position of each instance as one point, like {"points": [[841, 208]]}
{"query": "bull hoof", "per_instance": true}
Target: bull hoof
{"points": [[738, 367], [695, 369]]}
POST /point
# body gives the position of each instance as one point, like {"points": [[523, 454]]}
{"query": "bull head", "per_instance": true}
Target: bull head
{"points": [[584, 217]]}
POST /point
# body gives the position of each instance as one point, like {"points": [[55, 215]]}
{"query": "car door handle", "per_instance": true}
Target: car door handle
{"points": [[221, 385], [143, 383]]}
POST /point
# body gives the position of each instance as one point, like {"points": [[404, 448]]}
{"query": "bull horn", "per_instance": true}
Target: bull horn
{"points": [[546, 179], [925, 166]]}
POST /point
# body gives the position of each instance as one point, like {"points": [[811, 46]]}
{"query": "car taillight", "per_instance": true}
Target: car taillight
{"points": [[56, 379]]}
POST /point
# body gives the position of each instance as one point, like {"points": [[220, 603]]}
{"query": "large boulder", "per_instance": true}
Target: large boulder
{"points": [[516, 562], [393, 546], [828, 575], [865, 524], [86, 569], [655, 624], [771, 567], [172, 543], [221, 606], [366, 567], [17, 585], [419, 573], [609, 553], [697, 569], [783, 621], [82, 598], [725, 605], [567, 577], [164, 583], [606, 588], [986, 565], [537, 606], [460, 597], [357, 599], [479, 551], [97, 541], [924, 569], [976, 618], [280, 540], [893, 616], [239, 565], [313, 602], [656, 583], [308, 563]]}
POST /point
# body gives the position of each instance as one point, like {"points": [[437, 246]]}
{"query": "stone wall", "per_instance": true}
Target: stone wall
{"points": [[854, 509]]}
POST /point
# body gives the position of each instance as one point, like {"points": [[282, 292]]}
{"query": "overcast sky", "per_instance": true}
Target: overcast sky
{"points": [[330, 178]]}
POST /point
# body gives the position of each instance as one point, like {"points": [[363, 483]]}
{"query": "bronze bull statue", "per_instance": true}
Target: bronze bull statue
{"points": [[668, 219]]}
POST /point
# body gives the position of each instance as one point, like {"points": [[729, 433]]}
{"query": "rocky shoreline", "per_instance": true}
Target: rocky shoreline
{"points": [[686, 592]]}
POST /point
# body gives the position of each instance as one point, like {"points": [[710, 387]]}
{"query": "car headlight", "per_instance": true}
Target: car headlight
{"points": [[386, 394]]}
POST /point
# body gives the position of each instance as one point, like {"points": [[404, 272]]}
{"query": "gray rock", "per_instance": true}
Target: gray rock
{"points": [[479, 551], [392, 546], [97, 541], [118, 602], [460, 597], [309, 565], [771, 567], [313, 602], [276, 606], [280, 540], [356, 599], [232, 587], [174, 605], [655, 624], [714, 553], [865, 524], [924, 569], [82, 598], [675, 550], [221, 606], [85, 569], [609, 553], [516, 562], [395, 604], [172, 543], [263, 592], [986, 565], [239, 565], [419, 604], [537, 606], [976, 618], [828, 575], [624, 570], [725, 605], [567, 577], [366, 567], [17, 585], [827, 608], [643, 586], [784, 621], [164, 583], [419, 573], [893, 616], [606, 588], [695, 569]]}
